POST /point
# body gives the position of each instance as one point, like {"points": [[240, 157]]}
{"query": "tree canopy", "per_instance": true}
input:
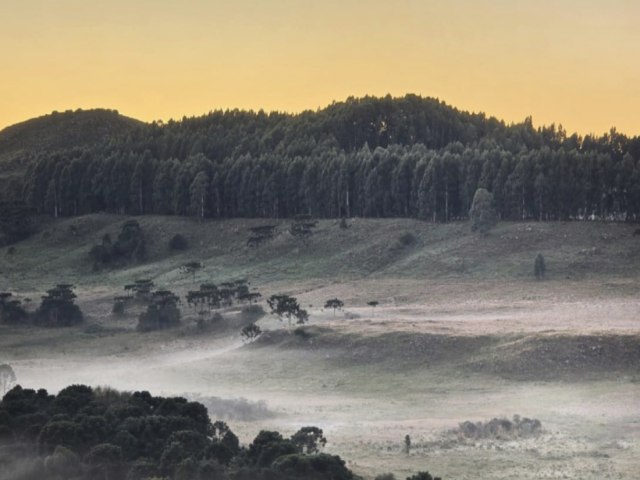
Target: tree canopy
{"points": [[375, 157]]}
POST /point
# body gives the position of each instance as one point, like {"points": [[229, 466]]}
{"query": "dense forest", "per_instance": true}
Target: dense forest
{"points": [[374, 157], [84, 433]]}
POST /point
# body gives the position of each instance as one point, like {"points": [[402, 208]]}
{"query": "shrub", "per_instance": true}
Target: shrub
{"points": [[252, 313], [251, 332], [302, 333], [118, 308], [422, 476], [385, 476], [407, 239], [178, 242]]}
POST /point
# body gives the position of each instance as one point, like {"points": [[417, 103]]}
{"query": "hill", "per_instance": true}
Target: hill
{"points": [[462, 332], [21, 142]]}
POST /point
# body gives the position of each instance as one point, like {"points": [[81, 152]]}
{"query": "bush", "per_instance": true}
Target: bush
{"points": [[118, 308], [302, 333], [178, 242], [252, 313], [422, 476], [407, 239]]}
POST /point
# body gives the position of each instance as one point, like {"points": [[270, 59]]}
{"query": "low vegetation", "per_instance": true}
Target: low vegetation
{"points": [[499, 429]]}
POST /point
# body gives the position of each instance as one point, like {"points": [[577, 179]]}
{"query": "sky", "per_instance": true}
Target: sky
{"points": [[569, 62]]}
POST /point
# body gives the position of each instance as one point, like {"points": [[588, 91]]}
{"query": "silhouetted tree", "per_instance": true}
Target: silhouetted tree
{"points": [[58, 309], [287, 307], [251, 332], [334, 304]]}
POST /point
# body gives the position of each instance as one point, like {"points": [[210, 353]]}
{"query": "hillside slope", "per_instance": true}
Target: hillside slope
{"points": [[368, 249]]}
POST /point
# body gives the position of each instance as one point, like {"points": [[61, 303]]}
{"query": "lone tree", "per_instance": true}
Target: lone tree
{"points": [[58, 309], [335, 304], [7, 379], [373, 304], [539, 267], [482, 213], [190, 268], [407, 444], [251, 332], [287, 307]]}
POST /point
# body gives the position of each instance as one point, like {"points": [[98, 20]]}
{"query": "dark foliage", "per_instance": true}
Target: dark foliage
{"points": [[334, 304], [251, 332], [375, 157], [11, 309], [162, 312], [309, 440], [86, 433], [58, 309], [407, 239], [422, 476], [15, 222], [287, 307], [130, 246], [178, 242]]}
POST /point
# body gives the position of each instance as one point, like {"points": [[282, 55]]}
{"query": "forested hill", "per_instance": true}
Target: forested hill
{"points": [[20, 143], [378, 157]]}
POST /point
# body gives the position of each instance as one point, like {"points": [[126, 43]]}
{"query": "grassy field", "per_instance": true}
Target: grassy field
{"points": [[462, 332]]}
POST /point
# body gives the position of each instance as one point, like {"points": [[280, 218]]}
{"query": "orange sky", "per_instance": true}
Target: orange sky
{"points": [[575, 62]]}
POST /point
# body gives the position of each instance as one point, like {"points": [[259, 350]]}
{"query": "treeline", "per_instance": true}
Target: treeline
{"points": [[408, 157]]}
